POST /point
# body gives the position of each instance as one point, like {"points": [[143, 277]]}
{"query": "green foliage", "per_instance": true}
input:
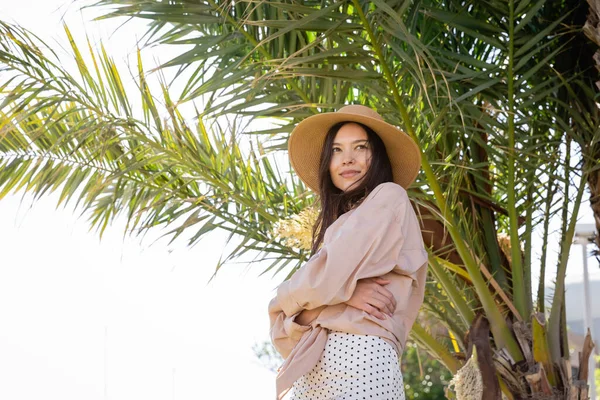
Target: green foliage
{"points": [[425, 378], [77, 134]]}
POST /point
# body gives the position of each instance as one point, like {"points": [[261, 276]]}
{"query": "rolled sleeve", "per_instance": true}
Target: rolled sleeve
{"points": [[285, 332], [293, 329], [286, 300]]}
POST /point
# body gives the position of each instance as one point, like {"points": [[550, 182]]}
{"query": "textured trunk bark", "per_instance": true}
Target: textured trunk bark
{"points": [[591, 29]]}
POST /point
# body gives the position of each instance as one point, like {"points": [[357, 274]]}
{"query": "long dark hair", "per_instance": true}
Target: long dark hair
{"points": [[335, 202]]}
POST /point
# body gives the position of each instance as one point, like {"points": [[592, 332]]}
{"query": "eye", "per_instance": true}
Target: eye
{"points": [[362, 146], [335, 149]]}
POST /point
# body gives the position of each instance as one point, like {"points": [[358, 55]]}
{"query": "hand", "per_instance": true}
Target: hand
{"points": [[370, 296]]}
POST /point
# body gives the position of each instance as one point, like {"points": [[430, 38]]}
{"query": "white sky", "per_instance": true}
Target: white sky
{"points": [[169, 335], [61, 287]]}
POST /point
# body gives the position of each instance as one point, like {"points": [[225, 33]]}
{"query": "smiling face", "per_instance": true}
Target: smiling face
{"points": [[350, 156]]}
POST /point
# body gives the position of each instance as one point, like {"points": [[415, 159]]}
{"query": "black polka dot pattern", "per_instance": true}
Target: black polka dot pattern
{"points": [[352, 367]]}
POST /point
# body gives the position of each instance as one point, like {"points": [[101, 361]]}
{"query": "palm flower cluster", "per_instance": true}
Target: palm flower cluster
{"points": [[296, 231]]}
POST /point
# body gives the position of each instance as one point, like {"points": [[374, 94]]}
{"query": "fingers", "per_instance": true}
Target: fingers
{"points": [[384, 291], [374, 312], [381, 281], [371, 296], [382, 303], [389, 296]]}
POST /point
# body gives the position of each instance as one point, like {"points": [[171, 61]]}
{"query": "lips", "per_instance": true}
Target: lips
{"points": [[349, 174]]}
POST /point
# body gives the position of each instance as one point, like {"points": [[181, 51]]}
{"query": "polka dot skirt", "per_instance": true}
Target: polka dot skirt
{"points": [[352, 367]]}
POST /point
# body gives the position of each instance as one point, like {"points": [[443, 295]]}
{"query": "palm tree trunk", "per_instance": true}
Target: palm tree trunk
{"points": [[591, 28]]}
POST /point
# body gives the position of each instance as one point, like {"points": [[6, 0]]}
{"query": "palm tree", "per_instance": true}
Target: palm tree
{"points": [[499, 95]]}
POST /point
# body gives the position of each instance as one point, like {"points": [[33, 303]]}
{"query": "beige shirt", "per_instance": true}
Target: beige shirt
{"points": [[379, 238]]}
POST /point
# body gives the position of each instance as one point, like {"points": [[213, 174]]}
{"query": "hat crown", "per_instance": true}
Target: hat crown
{"points": [[358, 109]]}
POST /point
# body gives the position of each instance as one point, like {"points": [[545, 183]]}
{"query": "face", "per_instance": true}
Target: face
{"points": [[351, 156]]}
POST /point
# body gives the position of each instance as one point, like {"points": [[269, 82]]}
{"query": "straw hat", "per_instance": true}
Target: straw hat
{"points": [[308, 137]]}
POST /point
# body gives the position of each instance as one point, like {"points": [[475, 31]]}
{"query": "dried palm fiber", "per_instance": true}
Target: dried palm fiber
{"points": [[467, 382]]}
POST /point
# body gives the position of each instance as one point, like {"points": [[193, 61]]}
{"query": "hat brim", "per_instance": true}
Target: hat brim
{"points": [[308, 137]]}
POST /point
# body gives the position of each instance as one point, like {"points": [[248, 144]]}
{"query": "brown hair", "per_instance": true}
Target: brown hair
{"points": [[335, 202]]}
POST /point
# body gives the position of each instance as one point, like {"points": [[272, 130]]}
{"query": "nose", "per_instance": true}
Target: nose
{"points": [[348, 159]]}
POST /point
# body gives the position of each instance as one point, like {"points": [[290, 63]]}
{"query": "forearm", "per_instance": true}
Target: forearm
{"points": [[314, 286]]}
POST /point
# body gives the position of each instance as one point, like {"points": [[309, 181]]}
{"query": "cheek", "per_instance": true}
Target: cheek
{"points": [[333, 163], [332, 169], [367, 159]]}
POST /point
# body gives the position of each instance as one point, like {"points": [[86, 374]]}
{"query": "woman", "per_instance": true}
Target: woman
{"points": [[342, 320]]}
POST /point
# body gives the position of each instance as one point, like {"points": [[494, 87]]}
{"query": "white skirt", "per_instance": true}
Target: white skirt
{"points": [[352, 367]]}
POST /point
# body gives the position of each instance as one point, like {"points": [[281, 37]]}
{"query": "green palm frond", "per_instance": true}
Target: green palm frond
{"points": [[79, 135]]}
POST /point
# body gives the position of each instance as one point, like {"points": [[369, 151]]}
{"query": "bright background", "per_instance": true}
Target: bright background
{"points": [[127, 318], [119, 318], [80, 316]]}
